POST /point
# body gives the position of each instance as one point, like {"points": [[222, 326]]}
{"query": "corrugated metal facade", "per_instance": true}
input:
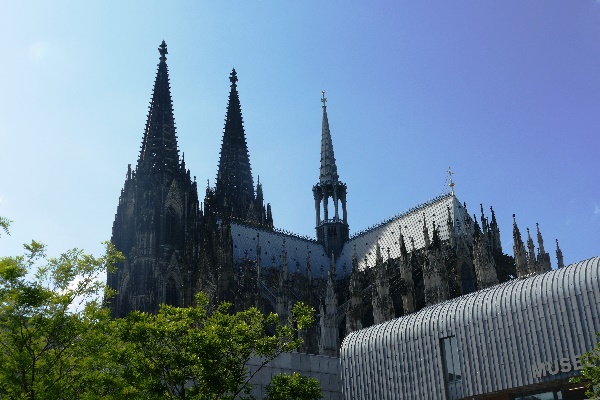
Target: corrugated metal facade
{"points": [[519, 333]]}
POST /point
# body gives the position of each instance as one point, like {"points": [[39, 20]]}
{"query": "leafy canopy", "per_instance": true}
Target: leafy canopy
{"points": [[590, 373], [189, 353], [293, 387], [57, 340], [4, 225], [48, 320]]}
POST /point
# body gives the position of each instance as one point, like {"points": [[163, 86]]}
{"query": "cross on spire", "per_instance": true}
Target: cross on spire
{"points": [[233, 77], [323, 99], [162, 49]]}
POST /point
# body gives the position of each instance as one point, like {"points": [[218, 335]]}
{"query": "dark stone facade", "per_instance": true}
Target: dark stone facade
{"points": [[228, 248]]}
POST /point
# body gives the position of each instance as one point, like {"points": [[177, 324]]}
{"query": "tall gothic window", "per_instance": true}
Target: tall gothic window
{"points": [[171, 295], [171, 226]]}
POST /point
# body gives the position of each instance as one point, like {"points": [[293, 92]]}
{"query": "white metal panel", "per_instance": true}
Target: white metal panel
{"points": [[501, 332]]}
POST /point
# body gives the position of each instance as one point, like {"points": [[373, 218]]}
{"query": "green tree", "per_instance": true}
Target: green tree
{"points": [[190, 353], [590, 373], [48, 320], [293, 387], [4, 225], [58, 341]]}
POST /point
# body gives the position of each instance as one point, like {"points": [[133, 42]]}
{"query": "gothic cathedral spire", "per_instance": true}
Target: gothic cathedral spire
{"points": [[234, 191], [157, 219], [159, 151], [328, 172], [331, 232]]}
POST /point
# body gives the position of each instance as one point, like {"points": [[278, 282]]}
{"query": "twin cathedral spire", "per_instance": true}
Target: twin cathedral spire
{"points": [[159, 152], [170, 242], [234, 194]]}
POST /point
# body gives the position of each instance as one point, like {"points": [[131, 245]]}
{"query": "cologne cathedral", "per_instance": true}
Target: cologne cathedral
{"points": [[228, 247]]}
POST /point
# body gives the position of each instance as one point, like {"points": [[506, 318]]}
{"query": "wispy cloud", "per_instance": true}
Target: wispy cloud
{"points": [[568, 221], [596, 208]]}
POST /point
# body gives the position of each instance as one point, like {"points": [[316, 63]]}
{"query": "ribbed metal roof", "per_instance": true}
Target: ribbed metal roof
{"points": [[504, 333]]}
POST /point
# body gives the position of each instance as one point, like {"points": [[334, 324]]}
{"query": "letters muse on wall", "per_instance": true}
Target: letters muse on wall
{"points": [[564, 364]]}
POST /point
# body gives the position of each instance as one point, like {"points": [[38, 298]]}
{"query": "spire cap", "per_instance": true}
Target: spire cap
{"points": [[233, 77], [162, 49]]}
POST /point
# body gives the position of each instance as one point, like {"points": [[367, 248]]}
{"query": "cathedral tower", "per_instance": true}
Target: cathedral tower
{"points": [[332, 231], [234, 195], [157, 222]]}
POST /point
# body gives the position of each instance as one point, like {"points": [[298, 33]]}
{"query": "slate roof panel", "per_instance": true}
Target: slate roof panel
{"points": [[411, 225], [245, 239]]}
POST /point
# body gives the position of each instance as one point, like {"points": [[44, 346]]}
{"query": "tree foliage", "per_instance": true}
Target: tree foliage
{"points": [[47, 321], [293, 387], [189, 353], [590, 373], [57, 340], [4, 225]]}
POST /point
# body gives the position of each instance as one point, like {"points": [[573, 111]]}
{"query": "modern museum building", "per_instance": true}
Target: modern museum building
{"points": [[518, 340]]}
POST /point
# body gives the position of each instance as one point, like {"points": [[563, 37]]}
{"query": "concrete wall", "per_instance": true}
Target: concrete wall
{"points": [[325, 369]]}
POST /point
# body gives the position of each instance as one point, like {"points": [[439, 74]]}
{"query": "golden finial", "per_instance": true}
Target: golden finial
{"points": [[451, 183]]}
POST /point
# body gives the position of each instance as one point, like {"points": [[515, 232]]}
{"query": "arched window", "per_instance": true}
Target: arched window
{"points": [[171, 293], [172, 226]]}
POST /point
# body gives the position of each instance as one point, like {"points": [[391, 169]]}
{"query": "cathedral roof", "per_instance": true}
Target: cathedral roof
{"points": [[410, 223], [363, 244], [431, 216], [272, 244], [159, 150]]}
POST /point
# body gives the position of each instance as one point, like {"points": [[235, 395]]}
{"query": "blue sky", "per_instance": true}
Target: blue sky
{"points": [[507, 93]]}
